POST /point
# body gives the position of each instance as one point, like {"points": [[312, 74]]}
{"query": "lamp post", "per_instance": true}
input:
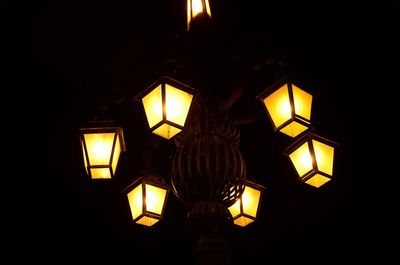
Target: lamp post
{"points": [[208, 172]]}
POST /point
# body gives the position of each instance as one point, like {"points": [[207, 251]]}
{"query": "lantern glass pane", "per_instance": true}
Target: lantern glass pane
{"points": [[250, 199], [278, 106], [301, 159], [99, 147], [100, 173], [243, 221], [147, 221], [318, 180], [155, 198], [135, 199], [302, 102], [293, 129], [189, 16], [208, 10], [324, 157], [197, 7], [117, 152], [177, 104], [84, 157], [235, 208], [167, 131], [152, 103]]}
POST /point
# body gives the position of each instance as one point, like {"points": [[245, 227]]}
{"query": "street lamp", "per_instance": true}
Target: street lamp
{"points": [[147, 196], [245, 210], [288, 107], [102, 145], [312, 156], [208, 172], [166, 104]]}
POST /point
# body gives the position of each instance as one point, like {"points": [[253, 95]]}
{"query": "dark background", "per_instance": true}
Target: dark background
{"points": [[60, 57]]}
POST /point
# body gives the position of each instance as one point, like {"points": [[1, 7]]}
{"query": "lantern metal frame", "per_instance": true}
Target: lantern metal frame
{"points": [[307, 138], [163, 80], [289, 81], [99, 127]]}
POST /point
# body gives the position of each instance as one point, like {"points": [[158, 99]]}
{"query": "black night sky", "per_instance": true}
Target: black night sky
{"points": [[61, 58]]}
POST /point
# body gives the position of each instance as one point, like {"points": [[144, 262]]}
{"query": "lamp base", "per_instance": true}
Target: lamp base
{"points": [[212, 249], [209, 222]]}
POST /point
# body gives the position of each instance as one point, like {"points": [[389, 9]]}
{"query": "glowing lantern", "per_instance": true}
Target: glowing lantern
{"points": [[166, 104], [147, 197], [245, 210], [101, 148], [312, 156], [197, 8], [288, 107]]}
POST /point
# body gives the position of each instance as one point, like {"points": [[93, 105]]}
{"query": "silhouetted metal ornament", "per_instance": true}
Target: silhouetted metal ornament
{"points": [[207, 164], [209, 217]]}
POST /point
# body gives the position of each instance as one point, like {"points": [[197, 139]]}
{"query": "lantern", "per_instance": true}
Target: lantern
{"points": [[101, 146], [197, 8], [166, 104], [312, 157], [245, 210], [147, 196], [288, 107]]}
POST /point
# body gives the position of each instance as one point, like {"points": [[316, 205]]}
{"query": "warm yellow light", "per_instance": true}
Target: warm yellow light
{"points": [[317, 180], [84, 157], [293, 129], [208, 9], [250, 200], [278, 106], [103, 151], [289, 108], [147, 221], [100, 173], [302, 160], [244, 210], [324, 157], [302, 102], [177, 104], [146, 201], [189, 13], [99, 146], [155, 198], [312, 157], [153, 106], [195, 8], [167, 106], [235, 208], [117, 153], [135, 199], [243, 221], [167, 131]]}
